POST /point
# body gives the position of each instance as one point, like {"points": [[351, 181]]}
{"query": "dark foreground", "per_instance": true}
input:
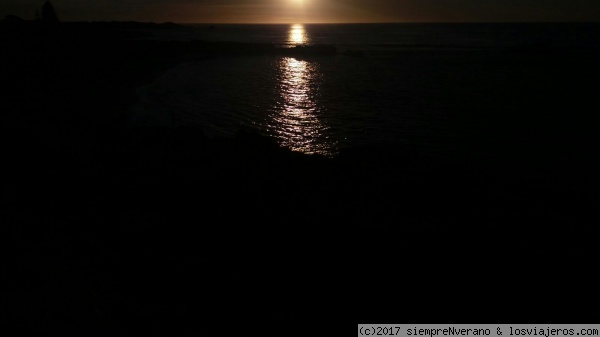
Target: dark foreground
{"points": [[118, 230]]}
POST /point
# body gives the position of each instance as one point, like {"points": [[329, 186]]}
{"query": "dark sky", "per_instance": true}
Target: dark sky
{"points": [[307, 11]]}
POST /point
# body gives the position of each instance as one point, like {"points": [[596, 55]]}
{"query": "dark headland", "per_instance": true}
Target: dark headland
{"points": [[112, 229]]}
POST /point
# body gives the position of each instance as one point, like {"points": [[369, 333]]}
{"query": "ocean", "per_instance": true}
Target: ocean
{"points": [[439, 89], [465, 167]]}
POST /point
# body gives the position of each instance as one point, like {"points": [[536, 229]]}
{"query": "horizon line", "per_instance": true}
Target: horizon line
{"points": [[332, 23]]}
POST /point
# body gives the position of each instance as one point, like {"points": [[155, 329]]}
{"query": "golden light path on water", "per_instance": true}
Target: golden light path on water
{"points": [[297, 35], [297, 119]]}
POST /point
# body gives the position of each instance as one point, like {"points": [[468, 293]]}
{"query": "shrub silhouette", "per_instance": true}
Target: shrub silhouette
{"points": [[48, 13]]}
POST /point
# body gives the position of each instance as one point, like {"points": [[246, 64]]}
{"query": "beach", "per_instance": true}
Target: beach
{"points": [[125, 228]]}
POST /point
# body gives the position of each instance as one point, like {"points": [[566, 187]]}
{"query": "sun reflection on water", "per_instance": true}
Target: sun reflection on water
{"points": [[297, 120], [297, 117], [297, 35]]}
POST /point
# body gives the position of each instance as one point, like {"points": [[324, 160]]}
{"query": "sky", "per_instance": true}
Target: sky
{"points": [[312, 11]]}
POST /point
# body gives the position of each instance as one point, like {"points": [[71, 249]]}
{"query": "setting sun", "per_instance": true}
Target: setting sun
{"points": [[298, 3]]}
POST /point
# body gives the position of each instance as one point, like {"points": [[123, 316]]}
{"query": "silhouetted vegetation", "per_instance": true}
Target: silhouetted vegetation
{"points": [[12, 18], [48, 13]]}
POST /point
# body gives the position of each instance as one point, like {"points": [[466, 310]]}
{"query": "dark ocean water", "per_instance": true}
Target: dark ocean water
{"points": [[441, 89]]}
